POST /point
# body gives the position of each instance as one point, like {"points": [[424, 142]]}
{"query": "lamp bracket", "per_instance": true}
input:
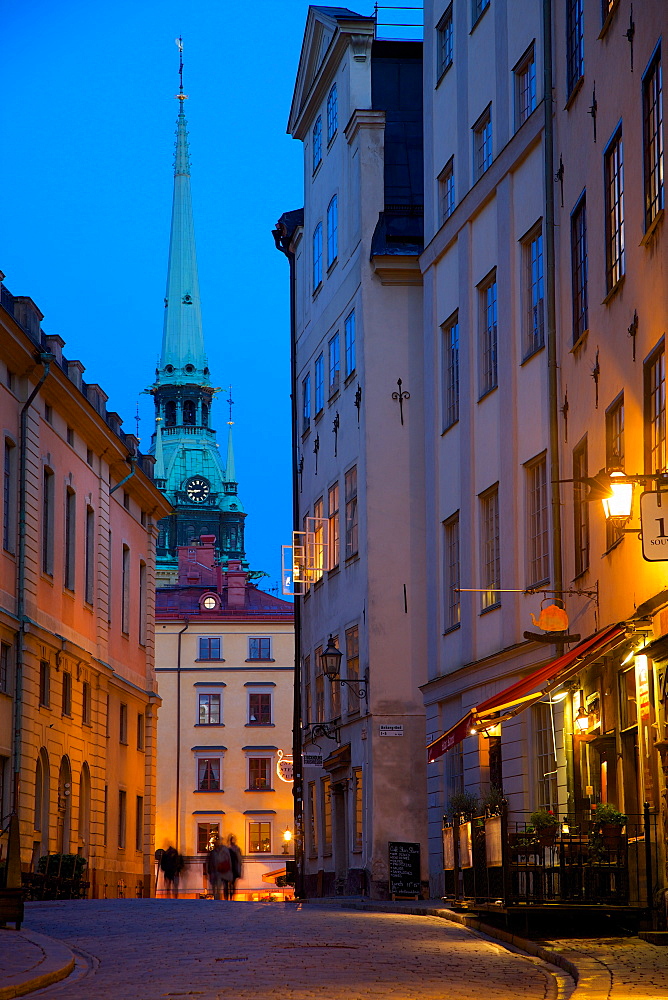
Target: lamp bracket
{"points": [[360, 688], [315, 730]]}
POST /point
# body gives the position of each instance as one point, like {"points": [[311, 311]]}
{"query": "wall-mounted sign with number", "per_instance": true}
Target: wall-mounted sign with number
{"points": [[654, 526]]}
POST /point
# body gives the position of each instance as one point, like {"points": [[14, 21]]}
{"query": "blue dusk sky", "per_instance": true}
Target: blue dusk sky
{"points": [[86, 177]]}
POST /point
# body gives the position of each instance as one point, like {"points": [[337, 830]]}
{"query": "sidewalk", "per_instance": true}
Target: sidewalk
{"points": [[30, 961], [610, 968]]}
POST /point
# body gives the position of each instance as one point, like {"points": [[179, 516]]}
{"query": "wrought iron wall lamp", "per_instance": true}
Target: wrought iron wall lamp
{"points": [[330, 659]]}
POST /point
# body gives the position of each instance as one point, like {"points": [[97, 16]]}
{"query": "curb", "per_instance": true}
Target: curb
{"points": [[593, 980], [57, 963]]}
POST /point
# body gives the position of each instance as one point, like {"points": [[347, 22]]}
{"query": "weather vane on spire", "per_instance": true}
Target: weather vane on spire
{"points": [[180, 96], [231, 404]]}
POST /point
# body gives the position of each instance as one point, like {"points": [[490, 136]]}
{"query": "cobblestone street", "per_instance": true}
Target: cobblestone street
{"points": [[149, 950]]}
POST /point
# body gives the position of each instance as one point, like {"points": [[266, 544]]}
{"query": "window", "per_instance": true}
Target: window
{"points": [[259, 838], [482, 144], [333, 525], [451, 567], [70, 537], [313, 820], [259, 648], [334, 690], [525, 86], [125, 590], [123, 723], [546, 758], [319, 687], [209, 710], [47, 521], [326, 802], [67, 693], [307, 690], [317, 142], [89, 456], [208, 774], [332, 230], [534, 293], [44, 684], [126, 495], [574, 42], [538, 558], [259, 709], [580, 509], [579, 268], [478, 7], [351, 511], [446, 190], [489, 548], [142, 603], [334, 352], [206, 834], [306, 403], [332, 114], [259, 773], [122, 817], [455, 770], [89, 555], [444, 43], [4, 666], [139, 823], [209, 647], [317, 256], [614, 457], [141, 728], [319, 383], [48, 413], [628, 700], [652, 92], [450, 378], [614, 211], [349, 332], [353, 665], [358, 809], [488, 335], [86, 707], [655, 412], [8, 503], [318, 560]]}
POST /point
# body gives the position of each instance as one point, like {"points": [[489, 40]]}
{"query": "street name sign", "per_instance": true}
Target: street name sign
{"points": [[390, 730], [654, 526]]}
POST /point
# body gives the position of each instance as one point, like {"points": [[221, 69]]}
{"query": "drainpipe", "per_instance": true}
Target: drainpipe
{"points": [[178, 732], [132, 459], [44, 358], [552, 357], [283, 244]]}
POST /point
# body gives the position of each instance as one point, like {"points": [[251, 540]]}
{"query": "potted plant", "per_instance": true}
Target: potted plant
{"points": [[463, 804], [546, 826], [492, 801], [609, 822]]}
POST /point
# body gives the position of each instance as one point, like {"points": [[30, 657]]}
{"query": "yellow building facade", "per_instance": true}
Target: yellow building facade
{"points": [[225, 665]]}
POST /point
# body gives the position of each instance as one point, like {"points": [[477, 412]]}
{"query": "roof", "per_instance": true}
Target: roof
{"points": [[171, 602]]}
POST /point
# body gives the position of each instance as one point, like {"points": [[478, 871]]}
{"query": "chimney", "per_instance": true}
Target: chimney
{"points": [[236, 585], [197, 563], [74, 372], [55, 344], [27, 315]]}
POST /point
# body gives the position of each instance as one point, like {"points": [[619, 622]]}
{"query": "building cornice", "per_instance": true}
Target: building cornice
{"points": [[397, 269], [363, 118]]}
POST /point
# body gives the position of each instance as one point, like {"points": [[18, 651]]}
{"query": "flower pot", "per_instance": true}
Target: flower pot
{"points": [[611, 835], [547, 836]]}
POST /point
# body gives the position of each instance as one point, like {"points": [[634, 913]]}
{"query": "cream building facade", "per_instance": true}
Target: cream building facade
{"points": [[78, 698], [225, 663]]}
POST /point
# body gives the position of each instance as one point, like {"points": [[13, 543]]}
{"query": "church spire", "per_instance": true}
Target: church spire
{"points": [[183, 360]]}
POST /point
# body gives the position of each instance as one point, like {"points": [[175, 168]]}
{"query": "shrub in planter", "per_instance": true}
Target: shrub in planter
{"points": [[463, 804], [492, 801], [62, 865], [609, 822], [546, 826]]}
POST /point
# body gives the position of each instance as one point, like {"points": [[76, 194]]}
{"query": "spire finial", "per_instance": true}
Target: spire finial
{"points": [[230, 402], [180, 96]]}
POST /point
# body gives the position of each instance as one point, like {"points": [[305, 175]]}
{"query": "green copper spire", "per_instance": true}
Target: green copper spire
{"points": [[182, 360], [159, 467], [230, 476]]}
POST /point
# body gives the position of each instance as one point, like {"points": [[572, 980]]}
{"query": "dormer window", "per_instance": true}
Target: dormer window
{"points": [[210, 602]]}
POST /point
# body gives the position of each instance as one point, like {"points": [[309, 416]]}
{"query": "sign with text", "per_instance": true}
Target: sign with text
{"points": [[390, 730], [312, 759], [404, 868], [654, 526]]}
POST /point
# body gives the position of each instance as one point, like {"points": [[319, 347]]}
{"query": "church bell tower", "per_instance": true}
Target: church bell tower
{"points": [[188, 466]]}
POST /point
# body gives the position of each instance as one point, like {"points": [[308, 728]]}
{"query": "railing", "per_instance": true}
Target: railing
{"points": [[39, 886], [500, 860]]}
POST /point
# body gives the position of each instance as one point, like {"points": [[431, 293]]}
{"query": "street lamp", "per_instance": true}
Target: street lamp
{"points": [[330, 659], [581, 721], [287, 839], [619, 505]]}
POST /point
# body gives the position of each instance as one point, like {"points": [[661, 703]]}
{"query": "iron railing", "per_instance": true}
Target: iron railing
{"points": [[500, 860]]}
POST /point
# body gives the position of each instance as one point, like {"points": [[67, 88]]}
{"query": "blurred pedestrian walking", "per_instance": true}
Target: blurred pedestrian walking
{"points": [[236, 860], [171, 865], [219, 868]]}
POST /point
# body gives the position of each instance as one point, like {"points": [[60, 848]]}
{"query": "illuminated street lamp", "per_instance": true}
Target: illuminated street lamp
{"points": [[330, 659], [619, 504], [287, 839], [581, 721]]}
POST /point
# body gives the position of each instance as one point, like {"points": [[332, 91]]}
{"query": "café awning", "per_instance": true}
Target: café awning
{"points": [[514, 699]]}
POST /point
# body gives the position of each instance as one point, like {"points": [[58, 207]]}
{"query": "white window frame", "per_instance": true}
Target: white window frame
{"points": [[207, 638], [268, 639], [483, 143], [209, 755]]}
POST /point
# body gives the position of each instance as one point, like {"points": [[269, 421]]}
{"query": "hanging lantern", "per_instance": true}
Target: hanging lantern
{"points": [[551, 618]]}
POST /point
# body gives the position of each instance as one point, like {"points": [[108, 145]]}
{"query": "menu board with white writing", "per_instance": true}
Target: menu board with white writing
{"points": [[404, 868]]}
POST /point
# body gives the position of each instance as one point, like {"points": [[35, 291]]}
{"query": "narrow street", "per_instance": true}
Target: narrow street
{"points": [[149, 950]]}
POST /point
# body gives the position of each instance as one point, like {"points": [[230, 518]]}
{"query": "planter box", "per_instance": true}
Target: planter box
{"points": [[11, 907], [493, 846]]}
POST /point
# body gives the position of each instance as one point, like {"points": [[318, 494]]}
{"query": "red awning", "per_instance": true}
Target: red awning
{"points": [[522, 693]]}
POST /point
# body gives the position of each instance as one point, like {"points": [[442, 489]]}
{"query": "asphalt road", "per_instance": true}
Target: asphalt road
{"points": [[155, 949]]}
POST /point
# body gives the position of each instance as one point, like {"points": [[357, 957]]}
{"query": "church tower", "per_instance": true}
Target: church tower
{"points": [[188, 467]]}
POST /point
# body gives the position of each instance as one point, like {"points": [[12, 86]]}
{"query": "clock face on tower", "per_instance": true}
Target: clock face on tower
{"points": [[197, 489]]}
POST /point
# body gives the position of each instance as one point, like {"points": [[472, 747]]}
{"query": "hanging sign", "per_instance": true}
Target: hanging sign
{"points": [[312, 759], [284, 766], [654, 526]]}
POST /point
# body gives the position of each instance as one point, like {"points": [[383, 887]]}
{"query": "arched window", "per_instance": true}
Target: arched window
{"points": [[332, 230], [189, 412], [42, 800], [84, 811], [332, 114], [170, 413], [64, 806], [317, 256], [317, 142]]}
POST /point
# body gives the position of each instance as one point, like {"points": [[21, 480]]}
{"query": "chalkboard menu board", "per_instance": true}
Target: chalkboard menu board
{"points": [[404, 866]]}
